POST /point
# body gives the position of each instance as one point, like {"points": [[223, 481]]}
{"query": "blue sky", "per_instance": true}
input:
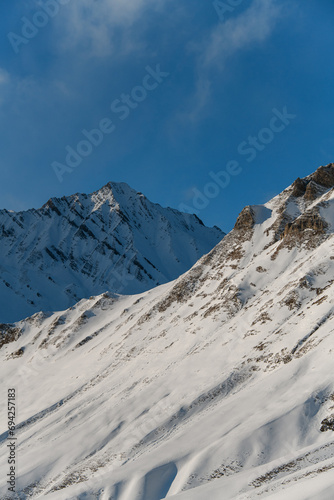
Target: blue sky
{"points": [[227, 73]]}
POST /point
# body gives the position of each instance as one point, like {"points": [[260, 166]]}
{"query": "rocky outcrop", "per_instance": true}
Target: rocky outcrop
{"points": [[8, 334], [310, 187], [324, 176], [246, 219], [298, 187], [310, 220], [311, 191], [291, 229], [327, 424]]}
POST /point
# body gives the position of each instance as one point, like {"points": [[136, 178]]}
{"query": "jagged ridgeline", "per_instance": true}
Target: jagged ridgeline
{"points": [[77, 246]]}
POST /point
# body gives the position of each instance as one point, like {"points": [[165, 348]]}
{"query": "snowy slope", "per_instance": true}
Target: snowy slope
{"points": [[81, 245], [212, 386]]}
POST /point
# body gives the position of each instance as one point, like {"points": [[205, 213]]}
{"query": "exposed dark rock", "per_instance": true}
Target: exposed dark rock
{"points": [[281, 222], [246, 219], [312, 191], [18, 353], [309, 187], [309, 220], [327, 424], [299, 187], [8, 334], [324, 176], [50, 254], [51, 205]]}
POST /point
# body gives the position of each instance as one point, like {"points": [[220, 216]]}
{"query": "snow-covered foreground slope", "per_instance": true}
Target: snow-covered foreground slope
{"points": [[82, 245], [212, 386]]}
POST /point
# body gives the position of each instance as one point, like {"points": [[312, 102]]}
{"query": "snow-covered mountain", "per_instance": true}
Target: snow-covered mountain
{"points": [[218, 385], [81, 245]]}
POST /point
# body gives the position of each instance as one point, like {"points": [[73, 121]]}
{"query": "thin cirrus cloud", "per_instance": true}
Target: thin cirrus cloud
{"points": [[251, 27], [4, 84], [4, 76], [246, 30], [91, 25], [97, 29]]}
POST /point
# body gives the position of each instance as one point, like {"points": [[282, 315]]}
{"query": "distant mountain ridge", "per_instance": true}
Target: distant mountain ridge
{"points": [[76, 246]]}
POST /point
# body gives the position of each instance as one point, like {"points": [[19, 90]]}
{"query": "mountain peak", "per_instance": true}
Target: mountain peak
{"points": [[84, 244], [121, 188], [120, 193]]}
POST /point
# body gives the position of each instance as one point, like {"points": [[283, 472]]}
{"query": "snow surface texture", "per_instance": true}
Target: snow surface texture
{"points": [[212, 387], [82, 245]]}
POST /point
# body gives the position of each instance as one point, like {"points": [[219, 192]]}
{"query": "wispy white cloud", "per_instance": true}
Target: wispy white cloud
{"points": [[5, 81], [4, 77], [247, 30], [251, 27], [92, 24]]}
